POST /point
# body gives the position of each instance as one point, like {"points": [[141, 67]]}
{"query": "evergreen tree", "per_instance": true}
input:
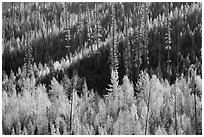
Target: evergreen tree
{"points": [[97, 33], [73, 92], [89, 32], [114, 42], [192, 77], [68, 24], [168, 38], [115, 97], [28, 57]]}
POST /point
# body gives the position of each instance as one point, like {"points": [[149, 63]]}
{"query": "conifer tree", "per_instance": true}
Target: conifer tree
{"points": [[113, 95], [127, 49], [128, 91], [97, 33], [89, 25], [67, 20], [168, 38], [75, 78], [146, 37], [192, 71], [178, 42], [175, 110], [148, 108], [28, 56], [114, 43]]}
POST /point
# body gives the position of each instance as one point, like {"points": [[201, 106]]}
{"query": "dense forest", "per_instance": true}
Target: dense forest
{"points": [[101, 68]]}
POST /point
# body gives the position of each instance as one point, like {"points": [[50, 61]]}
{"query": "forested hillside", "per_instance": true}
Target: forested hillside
{"points": [[101, 68]]}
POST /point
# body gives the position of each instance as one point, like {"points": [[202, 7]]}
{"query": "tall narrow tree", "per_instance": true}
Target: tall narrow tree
{"points": [[97, 32], [148, 108], [28, 55], [74, 83], [177, 49], [67, 30], [113, 45], [168, 38]]}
